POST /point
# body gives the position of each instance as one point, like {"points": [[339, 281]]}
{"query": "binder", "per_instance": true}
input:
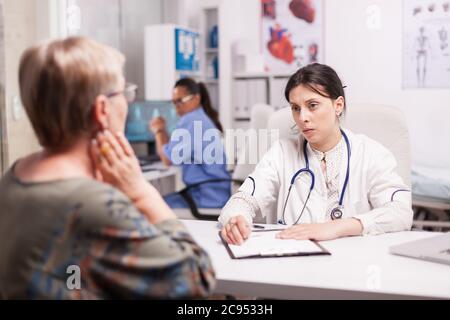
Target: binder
{"points": [[278, 101], [240, 99], [256, 94], [263, 244]]}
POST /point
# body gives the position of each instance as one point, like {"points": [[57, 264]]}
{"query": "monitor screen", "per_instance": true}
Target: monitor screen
{"points": [[139, 115]]}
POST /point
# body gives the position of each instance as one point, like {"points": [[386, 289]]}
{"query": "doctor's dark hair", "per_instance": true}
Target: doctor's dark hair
{"points": [[200, 88], [320, 78]]}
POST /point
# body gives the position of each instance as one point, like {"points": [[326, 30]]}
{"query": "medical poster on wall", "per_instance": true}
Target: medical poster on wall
{"points": [[426, 48], [292, 34], [187, 44]]}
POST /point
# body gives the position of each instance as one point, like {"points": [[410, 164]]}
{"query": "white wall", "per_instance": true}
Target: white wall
{"points": [[20, 32], [368, 61], [237, 20], [136, 14], [183, 12]]}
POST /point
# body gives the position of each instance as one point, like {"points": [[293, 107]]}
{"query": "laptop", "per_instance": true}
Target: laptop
{"points": [[434, 249]]}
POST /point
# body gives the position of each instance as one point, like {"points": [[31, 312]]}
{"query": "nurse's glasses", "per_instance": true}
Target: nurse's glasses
{"points": [[183, 100]]}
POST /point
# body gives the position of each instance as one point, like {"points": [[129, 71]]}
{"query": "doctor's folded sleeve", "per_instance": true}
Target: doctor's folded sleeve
{"points": [[392, 217], [388, 195], [243, 203]]}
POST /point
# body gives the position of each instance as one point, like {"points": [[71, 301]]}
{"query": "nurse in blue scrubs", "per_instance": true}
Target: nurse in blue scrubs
{"points": [[195, 145]]}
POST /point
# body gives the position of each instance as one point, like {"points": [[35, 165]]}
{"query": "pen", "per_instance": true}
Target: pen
{"points": [[257, 226]]}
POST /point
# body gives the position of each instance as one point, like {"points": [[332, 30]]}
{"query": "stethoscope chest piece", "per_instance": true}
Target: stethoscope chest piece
{"points": [[337, 213]]}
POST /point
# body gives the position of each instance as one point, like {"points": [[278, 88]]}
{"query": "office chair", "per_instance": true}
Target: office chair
{"points": [[199, 213], [387, 125]]}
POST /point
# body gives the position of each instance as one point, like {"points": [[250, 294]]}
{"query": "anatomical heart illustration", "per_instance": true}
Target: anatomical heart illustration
{"points": [[280, 45], [303, 9], [292, 33]]}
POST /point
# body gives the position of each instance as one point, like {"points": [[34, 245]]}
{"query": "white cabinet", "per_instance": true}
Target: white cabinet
{"points": [[171, 52]]}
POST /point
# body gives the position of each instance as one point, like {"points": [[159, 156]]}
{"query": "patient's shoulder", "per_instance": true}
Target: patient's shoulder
{"points": [[99, 198]]}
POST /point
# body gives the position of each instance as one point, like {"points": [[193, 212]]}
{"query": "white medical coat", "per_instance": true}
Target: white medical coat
{"points": [[370, 196]]}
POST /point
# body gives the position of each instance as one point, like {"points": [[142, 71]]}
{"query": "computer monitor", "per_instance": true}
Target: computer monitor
{"points": [[140, 114]]}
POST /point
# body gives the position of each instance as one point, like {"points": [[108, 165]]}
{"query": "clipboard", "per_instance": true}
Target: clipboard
{"points": [[252, 253]]}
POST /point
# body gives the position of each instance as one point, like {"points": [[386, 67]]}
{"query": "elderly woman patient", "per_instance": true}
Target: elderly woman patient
{"points": [[77, 219]]}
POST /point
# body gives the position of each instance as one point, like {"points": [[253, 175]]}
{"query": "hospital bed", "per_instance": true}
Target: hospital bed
{"points": [[431, 198]]}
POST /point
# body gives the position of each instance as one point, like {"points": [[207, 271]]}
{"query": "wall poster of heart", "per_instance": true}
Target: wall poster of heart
{"points": [[292, 34]]}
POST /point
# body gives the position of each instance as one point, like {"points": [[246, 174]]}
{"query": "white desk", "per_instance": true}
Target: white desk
{"points": [[165, 179], [358, 268]]}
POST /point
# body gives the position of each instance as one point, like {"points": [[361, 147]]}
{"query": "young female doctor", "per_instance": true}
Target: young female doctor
{"points": [[328, 183]]}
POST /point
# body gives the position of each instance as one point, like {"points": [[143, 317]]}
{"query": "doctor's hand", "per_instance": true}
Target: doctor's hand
{"points": [[236, 231], [323, 231], [313, 231]]}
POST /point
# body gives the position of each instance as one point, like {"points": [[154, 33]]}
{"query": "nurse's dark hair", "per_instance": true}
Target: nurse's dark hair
{"points": [[199, 88], [320, 78]]}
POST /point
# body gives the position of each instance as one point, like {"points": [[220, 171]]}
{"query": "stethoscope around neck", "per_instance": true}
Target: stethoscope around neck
{"points": [[337, 212]]}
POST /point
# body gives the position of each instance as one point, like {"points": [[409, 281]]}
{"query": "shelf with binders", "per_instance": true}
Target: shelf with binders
{"points": [[254, 88], [212, 50], [265, 75], [208, 81]]}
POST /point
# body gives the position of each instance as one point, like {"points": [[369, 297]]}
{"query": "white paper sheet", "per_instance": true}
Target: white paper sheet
{"points": [[265, 243]]}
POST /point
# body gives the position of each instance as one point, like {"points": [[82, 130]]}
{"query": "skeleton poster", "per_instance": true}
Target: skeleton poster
{"points": [[292, 34], [426, 47]]}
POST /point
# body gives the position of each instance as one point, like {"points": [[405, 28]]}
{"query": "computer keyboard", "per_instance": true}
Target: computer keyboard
{"points": [[143, 163], [147, 160]]}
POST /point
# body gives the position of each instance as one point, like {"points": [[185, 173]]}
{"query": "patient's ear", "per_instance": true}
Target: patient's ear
{"points": [[101, 112]]}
